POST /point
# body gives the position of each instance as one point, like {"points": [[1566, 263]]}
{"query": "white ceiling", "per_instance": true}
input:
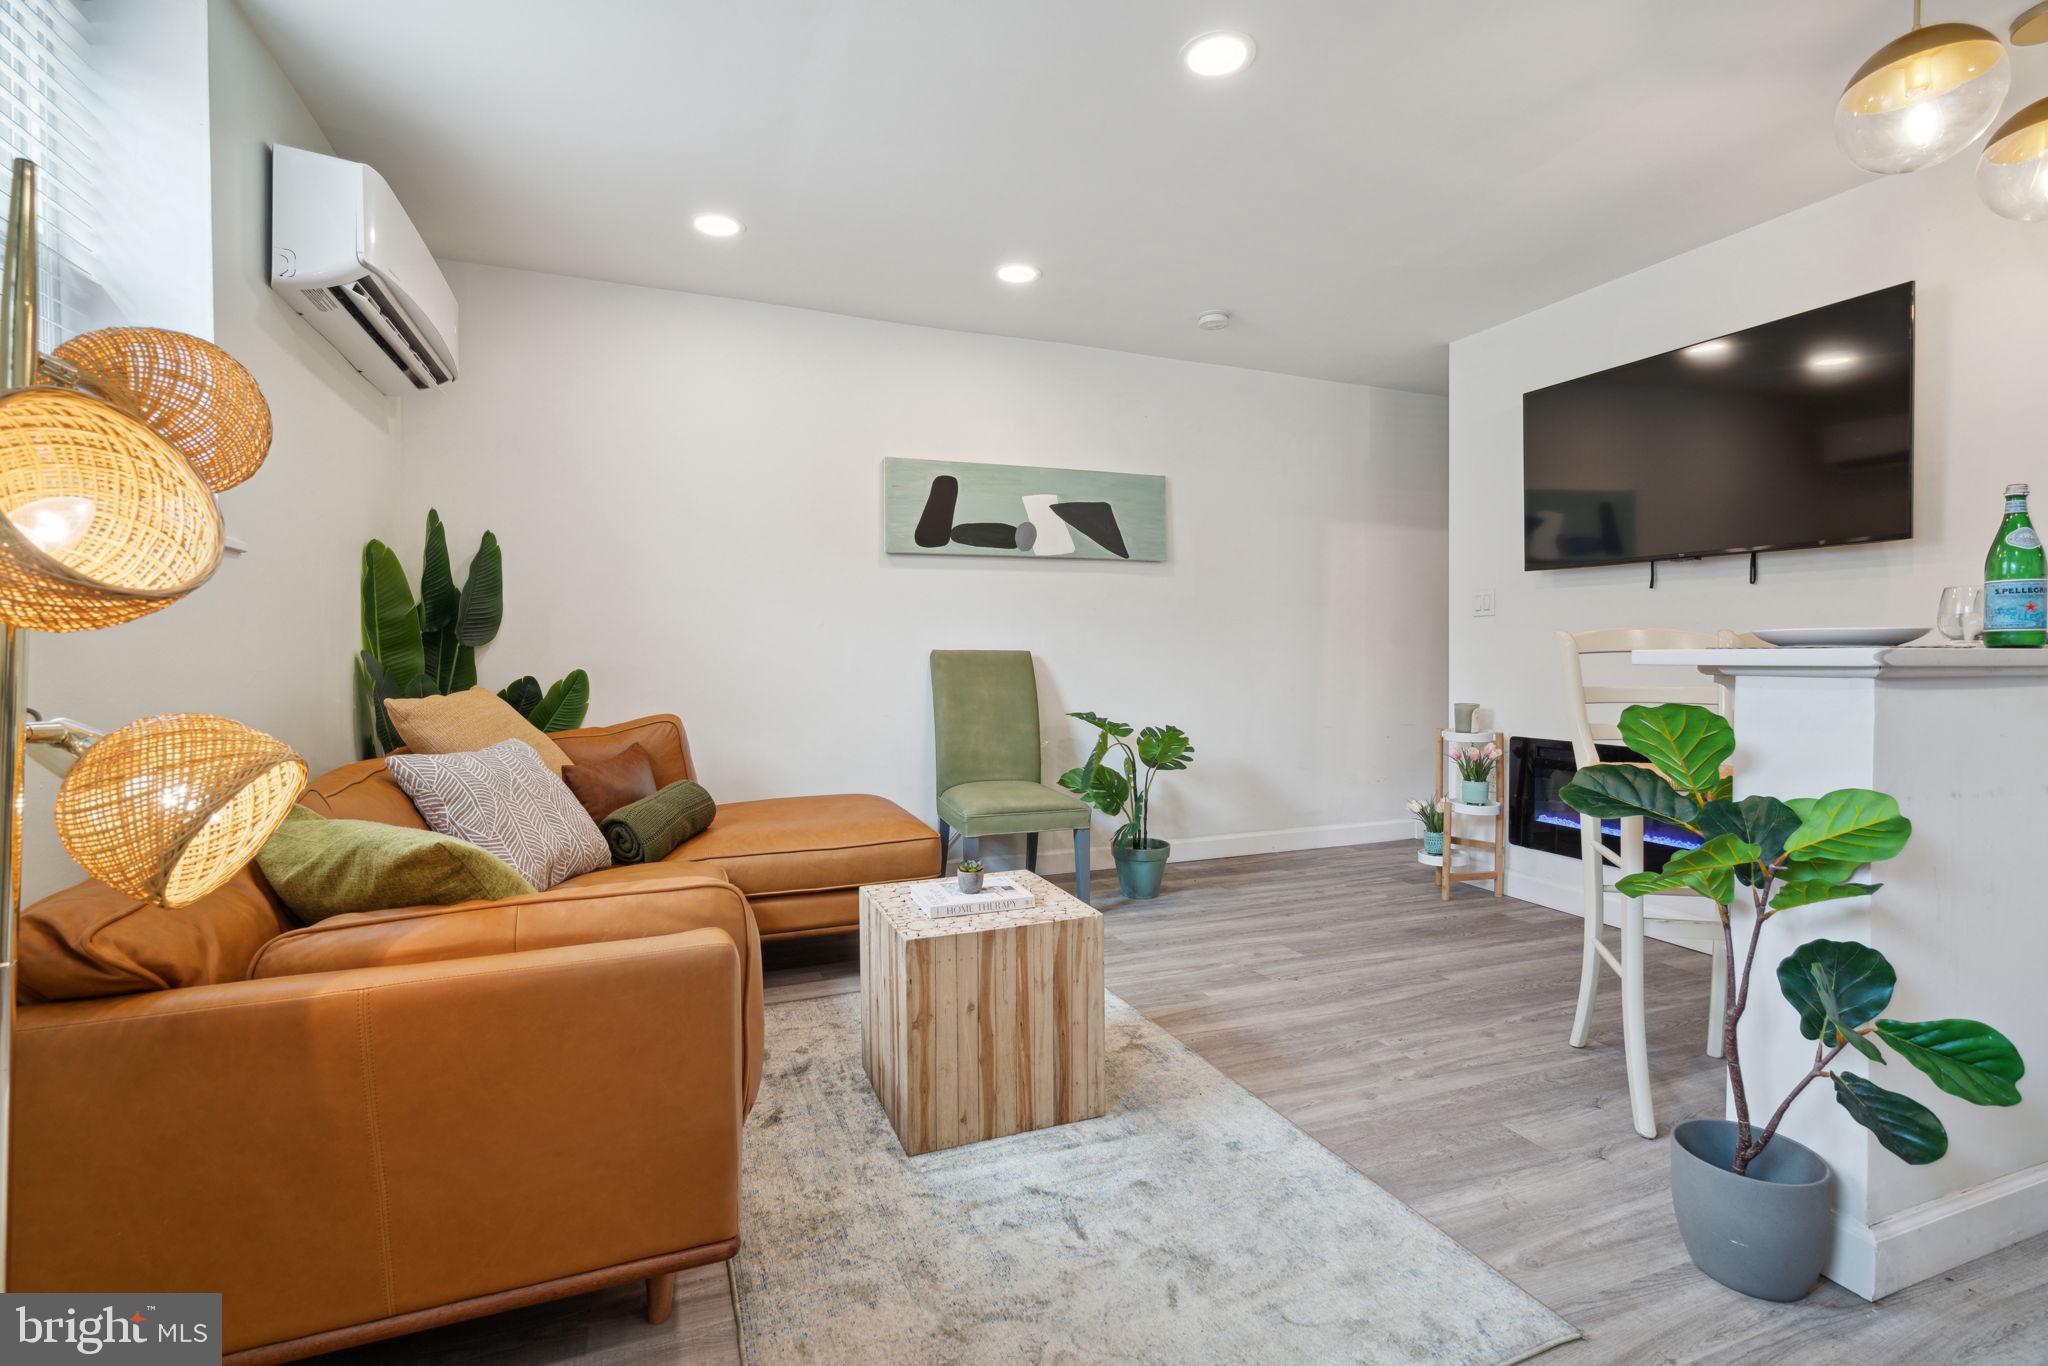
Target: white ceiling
{"points": [[1383, 178]]}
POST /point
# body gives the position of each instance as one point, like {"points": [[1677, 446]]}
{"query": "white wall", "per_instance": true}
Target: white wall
{"points": [[688, 490], [1982, 346], [268, 639]]}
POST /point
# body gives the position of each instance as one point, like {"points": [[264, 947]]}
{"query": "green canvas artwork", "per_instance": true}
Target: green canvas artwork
{"points": [[949, 507]]}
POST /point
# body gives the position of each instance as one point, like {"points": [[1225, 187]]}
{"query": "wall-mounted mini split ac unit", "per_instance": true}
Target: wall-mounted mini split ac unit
{"points": [[347, 259]]}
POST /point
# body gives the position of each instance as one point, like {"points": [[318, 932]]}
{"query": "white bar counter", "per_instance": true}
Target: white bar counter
{"points": [[1960, 736]]}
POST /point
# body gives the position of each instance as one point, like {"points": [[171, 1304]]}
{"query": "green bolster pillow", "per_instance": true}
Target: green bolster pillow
{"points": [[647, 831]]}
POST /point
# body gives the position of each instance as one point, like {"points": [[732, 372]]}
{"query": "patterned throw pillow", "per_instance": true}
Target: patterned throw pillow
{"points": [[506, 800]]}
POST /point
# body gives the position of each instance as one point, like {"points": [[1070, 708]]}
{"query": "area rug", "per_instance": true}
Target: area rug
{"points": [[1189, 1224]]}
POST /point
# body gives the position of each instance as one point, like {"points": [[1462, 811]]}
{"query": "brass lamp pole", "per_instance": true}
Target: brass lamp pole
{"points": [[18, 371], [110, 455]]}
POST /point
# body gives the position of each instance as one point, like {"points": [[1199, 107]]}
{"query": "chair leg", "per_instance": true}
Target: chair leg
{"points": [[945, 844], [1717, 999], [1595, 909], [1081, 865], [1634, 1025], [661, 1297], [970, 847], [1031, 852]]}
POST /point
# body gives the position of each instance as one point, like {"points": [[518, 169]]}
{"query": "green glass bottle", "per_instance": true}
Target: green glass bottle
{"points": [[2014, 613]]}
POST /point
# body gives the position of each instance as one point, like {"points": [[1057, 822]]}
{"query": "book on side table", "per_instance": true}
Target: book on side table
{"points": [[942, 897]]}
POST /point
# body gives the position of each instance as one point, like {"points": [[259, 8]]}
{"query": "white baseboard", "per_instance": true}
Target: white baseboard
{"points": [[1056, 850], [1942, 1234]]}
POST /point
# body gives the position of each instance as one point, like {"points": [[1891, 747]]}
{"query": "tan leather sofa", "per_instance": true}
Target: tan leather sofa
{"points": [[392, 1120]]}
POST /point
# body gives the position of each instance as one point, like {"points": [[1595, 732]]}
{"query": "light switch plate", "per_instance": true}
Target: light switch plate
{"points": [[1482, 604]]}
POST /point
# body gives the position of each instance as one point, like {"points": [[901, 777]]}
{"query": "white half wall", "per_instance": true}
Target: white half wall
{"points": [[1983, 292], [688, 490], [268, 639]]}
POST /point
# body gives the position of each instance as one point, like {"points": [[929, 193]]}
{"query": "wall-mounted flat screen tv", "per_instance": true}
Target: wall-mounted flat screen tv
{"points": [[1794, 434]]}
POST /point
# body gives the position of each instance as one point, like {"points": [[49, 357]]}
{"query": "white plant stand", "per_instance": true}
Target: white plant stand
{"points": [[1455, 866]]}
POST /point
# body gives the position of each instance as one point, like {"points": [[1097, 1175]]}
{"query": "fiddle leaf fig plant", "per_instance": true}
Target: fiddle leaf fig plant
{"points": [[1159, 749], [428, 647], [1783, 856]]}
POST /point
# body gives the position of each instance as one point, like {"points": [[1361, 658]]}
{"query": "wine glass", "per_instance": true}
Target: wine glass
{"points": [[1961, 615]]}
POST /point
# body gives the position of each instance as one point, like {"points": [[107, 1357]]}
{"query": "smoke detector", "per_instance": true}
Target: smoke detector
{"points": [[1215, 320]]}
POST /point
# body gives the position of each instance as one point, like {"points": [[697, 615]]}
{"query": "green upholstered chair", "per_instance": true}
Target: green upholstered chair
{"points": [[985, 728]]}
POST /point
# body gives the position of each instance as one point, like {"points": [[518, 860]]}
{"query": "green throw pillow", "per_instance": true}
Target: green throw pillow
{"points": [[322, 867]]}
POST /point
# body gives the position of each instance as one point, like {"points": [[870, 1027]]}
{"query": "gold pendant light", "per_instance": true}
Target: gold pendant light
{"points": [[1922, 97], [2012, 176]]}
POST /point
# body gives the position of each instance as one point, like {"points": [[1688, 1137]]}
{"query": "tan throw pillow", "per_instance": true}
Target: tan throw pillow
{"points": [[464, 722], [605, 785], [504, 800]]}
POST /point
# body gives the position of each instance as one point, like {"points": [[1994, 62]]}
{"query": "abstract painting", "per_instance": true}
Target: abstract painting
{"points": [[947, 507]]}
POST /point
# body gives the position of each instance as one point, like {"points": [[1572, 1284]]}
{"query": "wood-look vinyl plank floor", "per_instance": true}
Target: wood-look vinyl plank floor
{"points": [[1423, 1042]]}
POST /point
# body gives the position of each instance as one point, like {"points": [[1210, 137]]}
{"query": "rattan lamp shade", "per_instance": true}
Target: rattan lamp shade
{"points": [[196, 396], [170, 807], [103, 521]]}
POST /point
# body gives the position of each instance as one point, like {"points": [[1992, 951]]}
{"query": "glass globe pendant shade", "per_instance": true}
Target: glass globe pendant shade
{"points": [[2012, 175], [168, 808], [101, 521], [1922, 97], [193, 394]]}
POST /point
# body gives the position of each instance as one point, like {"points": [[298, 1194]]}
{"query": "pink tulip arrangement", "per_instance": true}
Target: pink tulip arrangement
{"points": [[1475, 762]]}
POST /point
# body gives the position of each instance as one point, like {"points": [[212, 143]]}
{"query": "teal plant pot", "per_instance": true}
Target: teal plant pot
{"points": [[1433, 842], [1139, 868], [1477, 794]]}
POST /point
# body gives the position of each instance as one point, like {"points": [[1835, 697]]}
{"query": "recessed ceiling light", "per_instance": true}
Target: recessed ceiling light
{"points": [[1831, 360], [1218, 54], [717, 225], [1017, 273], [1710, 352]]}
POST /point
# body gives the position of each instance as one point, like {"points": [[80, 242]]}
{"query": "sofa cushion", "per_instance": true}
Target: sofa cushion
{"points": [[363, 791], [800, 844], [603, 785], [504, 799], [467, 721], [320, 867], [90, 940]]}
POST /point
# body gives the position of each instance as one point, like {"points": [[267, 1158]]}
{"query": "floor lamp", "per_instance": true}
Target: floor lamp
{"points": [[111, 451]]}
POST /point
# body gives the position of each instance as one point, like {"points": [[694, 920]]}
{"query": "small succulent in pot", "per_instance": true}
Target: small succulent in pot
{"points": [[970, 876]]}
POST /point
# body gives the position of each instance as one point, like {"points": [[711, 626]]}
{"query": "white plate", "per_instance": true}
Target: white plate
{"points": [[1843, 635]]}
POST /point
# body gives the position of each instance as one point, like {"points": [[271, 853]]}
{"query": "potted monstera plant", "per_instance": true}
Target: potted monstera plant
{"points": [[1114, 791], [1752, 1204]]}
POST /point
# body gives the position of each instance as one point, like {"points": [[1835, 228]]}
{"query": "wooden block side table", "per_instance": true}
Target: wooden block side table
{"points": [[981, 1026]]}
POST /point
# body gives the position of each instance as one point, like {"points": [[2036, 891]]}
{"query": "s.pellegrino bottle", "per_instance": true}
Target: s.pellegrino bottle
{"points": [[2014, 612]]}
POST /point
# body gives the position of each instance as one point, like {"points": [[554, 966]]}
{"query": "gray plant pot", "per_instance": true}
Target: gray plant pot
{"points": [[969, 883], [1766, 1233]]}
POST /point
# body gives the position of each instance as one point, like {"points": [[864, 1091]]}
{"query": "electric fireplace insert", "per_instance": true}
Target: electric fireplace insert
{"points": [[1539, 819]]}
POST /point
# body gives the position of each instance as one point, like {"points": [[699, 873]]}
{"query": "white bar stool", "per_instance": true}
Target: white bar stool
{"points": [[1595, 856]]}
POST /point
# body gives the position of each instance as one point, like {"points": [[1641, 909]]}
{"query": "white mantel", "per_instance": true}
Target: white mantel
{"points": [[1960, 737]]}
